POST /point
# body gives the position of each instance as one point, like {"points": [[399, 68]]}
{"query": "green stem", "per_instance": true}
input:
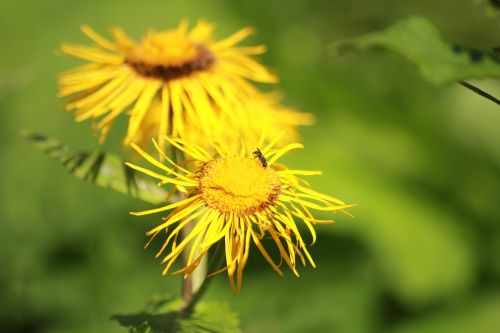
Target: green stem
{"points": [[480, 92], [215, 264], [192, 284]]}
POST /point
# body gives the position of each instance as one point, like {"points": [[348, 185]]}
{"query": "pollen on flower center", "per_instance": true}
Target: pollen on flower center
{"points": [[239, 185], [169, 55]]}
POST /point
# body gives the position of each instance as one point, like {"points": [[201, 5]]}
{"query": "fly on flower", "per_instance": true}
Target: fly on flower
{"points": [[232, 198], [194, 78]]}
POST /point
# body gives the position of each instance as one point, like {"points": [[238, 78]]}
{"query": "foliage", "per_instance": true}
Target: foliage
{"points": [[165, 315], [102, 169], [439, 61]]}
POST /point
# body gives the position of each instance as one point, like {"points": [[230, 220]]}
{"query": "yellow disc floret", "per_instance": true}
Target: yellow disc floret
{"points": [[169, 55], [239, 185], [168, 48]]}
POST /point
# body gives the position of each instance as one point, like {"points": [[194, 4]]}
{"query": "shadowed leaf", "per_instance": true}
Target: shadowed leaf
{"points": [[101, 169], [166, 316], [439, 61]]}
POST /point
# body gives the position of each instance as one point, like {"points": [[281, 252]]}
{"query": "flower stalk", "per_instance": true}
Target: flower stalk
{"points": [[191, 284]]}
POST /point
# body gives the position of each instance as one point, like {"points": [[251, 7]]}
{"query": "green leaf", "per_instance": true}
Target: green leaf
{"points": [[102, 169], [418, 40], [166, 315], [423, 250]]}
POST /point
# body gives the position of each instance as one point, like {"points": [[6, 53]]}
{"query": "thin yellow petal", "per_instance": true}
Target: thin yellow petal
{"points": [[233, 39], [140, 108], [98, 39], [168, 207], [283, 151]]}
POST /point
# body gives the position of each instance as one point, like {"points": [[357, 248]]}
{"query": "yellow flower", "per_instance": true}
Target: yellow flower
{"points": [[272, 118], [194, 78], [235, 198], [266, 113]]}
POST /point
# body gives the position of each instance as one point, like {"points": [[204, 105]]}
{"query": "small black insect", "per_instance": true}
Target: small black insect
{"points": [[257, 153]]}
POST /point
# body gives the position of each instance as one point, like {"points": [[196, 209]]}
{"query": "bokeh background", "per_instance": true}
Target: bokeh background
{"points": [[422, 163]]}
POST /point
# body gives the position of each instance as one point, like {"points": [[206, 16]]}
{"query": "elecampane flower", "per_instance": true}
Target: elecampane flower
{"points": [[238, 199], [266, 113], [195, 79], [272, 118]]}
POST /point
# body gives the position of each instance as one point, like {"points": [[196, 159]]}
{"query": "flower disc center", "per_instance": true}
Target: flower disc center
{"points": [[169, 55], [239, 185]]}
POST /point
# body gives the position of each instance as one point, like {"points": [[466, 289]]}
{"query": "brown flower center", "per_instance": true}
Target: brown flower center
{"points": [[169, 55]]}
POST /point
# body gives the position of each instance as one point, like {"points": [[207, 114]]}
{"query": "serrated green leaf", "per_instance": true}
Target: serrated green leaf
{"points": [[166, 316], [102, 169], [418, 40]]}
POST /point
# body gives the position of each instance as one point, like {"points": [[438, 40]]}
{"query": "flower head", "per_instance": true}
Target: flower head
{"points": [[195, 79], [267, 115], [237, 198]]}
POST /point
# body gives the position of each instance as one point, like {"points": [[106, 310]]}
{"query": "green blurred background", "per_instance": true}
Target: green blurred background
{"points": [[422, 163]]}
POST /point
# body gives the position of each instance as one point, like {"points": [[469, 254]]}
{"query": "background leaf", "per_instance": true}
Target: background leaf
{"points": [[439, 61], [101, 169], [410, 234], [167, 317]]}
